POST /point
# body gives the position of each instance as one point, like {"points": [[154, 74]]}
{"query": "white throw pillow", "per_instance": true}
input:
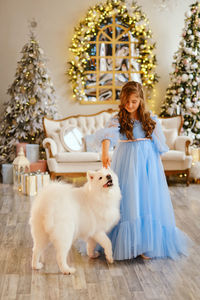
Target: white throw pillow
{"points": [[170, 135]]}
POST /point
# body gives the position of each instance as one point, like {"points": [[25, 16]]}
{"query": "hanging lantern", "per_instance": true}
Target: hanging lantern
{"points": [[20, 165]]}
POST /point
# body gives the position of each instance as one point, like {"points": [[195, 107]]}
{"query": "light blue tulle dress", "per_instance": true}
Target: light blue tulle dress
{"points": [[147, 225]]}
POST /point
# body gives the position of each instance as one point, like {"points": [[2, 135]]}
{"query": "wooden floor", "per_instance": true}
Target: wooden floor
{"points": [[95, 279]]}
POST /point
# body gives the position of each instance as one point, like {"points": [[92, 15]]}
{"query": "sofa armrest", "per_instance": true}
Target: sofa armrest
{"points": [[50, 146], [182, 144]]}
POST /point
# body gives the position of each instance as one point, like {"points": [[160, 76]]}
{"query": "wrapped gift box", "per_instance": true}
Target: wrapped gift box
{"points": [[40, 165], [32, 152], [195, 154], [7, 173], [31, 183], [195, 171]]}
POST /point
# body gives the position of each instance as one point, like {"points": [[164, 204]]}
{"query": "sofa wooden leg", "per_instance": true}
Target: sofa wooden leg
{"points": [[187, 178], [53, 176]]}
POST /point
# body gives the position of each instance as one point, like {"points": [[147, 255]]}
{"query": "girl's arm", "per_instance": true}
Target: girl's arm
{"points": [[106, 138], [105, 153]]}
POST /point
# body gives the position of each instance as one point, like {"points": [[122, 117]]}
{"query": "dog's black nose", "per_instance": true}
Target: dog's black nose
{"points": [[108, 177]]}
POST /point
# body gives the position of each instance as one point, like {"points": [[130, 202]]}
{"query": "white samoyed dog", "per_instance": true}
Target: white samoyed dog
{"points": [[62, 213]]}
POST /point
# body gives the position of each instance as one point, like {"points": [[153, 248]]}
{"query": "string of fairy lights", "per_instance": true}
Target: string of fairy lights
{"points": [[96, 17]]}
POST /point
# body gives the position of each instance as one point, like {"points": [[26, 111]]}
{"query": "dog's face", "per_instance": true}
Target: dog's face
{"points": [[102, 179]]}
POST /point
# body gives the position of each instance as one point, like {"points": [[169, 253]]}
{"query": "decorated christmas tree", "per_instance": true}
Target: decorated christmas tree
{"points": [[183, 95], [31, 98]]}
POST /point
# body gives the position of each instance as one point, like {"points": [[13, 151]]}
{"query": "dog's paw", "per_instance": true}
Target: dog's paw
{"points": [[94, 255], [69, 271], [109, 259], [38, 266]]}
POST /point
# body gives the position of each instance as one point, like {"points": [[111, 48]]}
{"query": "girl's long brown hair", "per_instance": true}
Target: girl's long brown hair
{"points": [[126, 124]]}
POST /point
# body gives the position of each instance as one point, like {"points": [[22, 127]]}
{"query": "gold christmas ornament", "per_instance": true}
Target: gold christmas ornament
{"points": [[32, 100]]}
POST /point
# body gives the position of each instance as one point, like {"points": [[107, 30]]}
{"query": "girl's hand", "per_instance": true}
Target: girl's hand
{"points": [[105, 156], [105, 160]]}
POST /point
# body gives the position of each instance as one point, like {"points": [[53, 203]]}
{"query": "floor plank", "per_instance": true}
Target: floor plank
{"points": [[133, 279]]}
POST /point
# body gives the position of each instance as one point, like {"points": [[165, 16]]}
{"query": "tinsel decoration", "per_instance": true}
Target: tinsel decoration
{"points": [[130, 15]]}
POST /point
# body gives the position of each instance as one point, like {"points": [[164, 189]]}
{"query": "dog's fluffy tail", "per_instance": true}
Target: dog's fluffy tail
{"points": [[40, 207]]}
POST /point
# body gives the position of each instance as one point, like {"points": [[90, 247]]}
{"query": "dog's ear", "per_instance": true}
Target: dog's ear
{"points": [[90, 175]]}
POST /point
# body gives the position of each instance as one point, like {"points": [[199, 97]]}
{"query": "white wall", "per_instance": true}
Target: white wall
{"points": [[56, 21]]}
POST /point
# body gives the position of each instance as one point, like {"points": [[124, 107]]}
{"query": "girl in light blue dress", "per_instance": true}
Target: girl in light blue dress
{"points": [[147, 226]]}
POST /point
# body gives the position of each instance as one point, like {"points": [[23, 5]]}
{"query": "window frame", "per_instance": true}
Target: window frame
{"points": [[113, 41]]}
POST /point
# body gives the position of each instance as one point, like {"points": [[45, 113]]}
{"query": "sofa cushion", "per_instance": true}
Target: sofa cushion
{"points": [[90, 143], [170, 135], [173, 155], [77, 157], [170, 165]]}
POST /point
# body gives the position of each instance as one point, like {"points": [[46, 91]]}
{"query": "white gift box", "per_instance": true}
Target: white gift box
{"points": [[195, 170], [31, 183], [45, 178], [195, 154], [39, 182]]}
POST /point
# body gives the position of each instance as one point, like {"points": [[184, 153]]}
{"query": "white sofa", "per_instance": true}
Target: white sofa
{"points": [[62, 162], [178, 159]]}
